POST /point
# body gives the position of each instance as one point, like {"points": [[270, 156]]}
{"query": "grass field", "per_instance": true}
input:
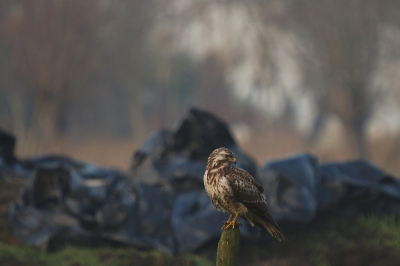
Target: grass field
{"points": [[19, 255]]}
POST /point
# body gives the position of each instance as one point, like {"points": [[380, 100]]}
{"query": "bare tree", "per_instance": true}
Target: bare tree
{"points": [[9, 21], [344, 39], [53, 45], [125, 26]]}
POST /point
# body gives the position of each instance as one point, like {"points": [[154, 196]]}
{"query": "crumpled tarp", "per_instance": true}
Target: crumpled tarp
{"points": [[162, 203]]}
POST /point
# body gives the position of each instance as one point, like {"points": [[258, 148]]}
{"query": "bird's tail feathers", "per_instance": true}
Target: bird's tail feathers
{"points": [[270, 226]]}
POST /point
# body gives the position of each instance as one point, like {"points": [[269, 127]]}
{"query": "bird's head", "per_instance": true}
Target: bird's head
{"points": [[221, 157]]}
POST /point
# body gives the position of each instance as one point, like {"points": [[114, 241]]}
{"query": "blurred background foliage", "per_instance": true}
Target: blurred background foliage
{"points": [[93, 78]]}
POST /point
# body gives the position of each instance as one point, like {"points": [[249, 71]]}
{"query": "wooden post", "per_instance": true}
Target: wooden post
{"points": [[228, 247]]}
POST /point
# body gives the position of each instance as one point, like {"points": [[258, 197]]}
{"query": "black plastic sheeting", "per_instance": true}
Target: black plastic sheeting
{"points": [[162, 203]]}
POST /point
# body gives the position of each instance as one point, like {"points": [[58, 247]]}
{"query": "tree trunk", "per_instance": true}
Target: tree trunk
{"points": [[356, 141], [139, 127], [43, 125]]}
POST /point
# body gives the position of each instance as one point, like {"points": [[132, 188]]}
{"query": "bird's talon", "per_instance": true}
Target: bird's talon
{"points": [[223, 226], [232, 224]]}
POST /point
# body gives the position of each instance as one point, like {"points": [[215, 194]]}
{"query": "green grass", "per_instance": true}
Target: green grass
{"points": [[369, 231], [362, 239], [21, 255], [386, 230], [331, 241]]}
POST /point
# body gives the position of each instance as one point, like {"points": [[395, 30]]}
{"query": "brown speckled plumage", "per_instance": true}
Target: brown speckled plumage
{"points": [[235, 191]]}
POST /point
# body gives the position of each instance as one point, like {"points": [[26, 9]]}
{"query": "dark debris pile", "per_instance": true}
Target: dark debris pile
{"points": [[161, 203]]}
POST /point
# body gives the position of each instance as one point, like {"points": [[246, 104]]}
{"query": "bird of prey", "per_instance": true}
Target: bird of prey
{"points": [[235, 191]]}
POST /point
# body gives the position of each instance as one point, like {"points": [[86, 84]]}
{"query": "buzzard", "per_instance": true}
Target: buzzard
{"points": [[235, 191]]}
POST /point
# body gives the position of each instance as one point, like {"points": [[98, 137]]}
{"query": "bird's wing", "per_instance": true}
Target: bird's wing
{"points": [[248, 193], [243, 174], [244, 189]]}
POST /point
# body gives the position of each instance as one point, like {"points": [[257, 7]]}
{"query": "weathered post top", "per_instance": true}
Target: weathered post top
{"points": [[228, 247]]}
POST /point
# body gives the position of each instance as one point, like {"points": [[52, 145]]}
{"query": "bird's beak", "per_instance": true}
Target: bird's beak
{"points": [[234, 160]]}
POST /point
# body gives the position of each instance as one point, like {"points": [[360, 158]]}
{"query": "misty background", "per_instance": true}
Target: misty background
{"points": [[92, 78]]}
